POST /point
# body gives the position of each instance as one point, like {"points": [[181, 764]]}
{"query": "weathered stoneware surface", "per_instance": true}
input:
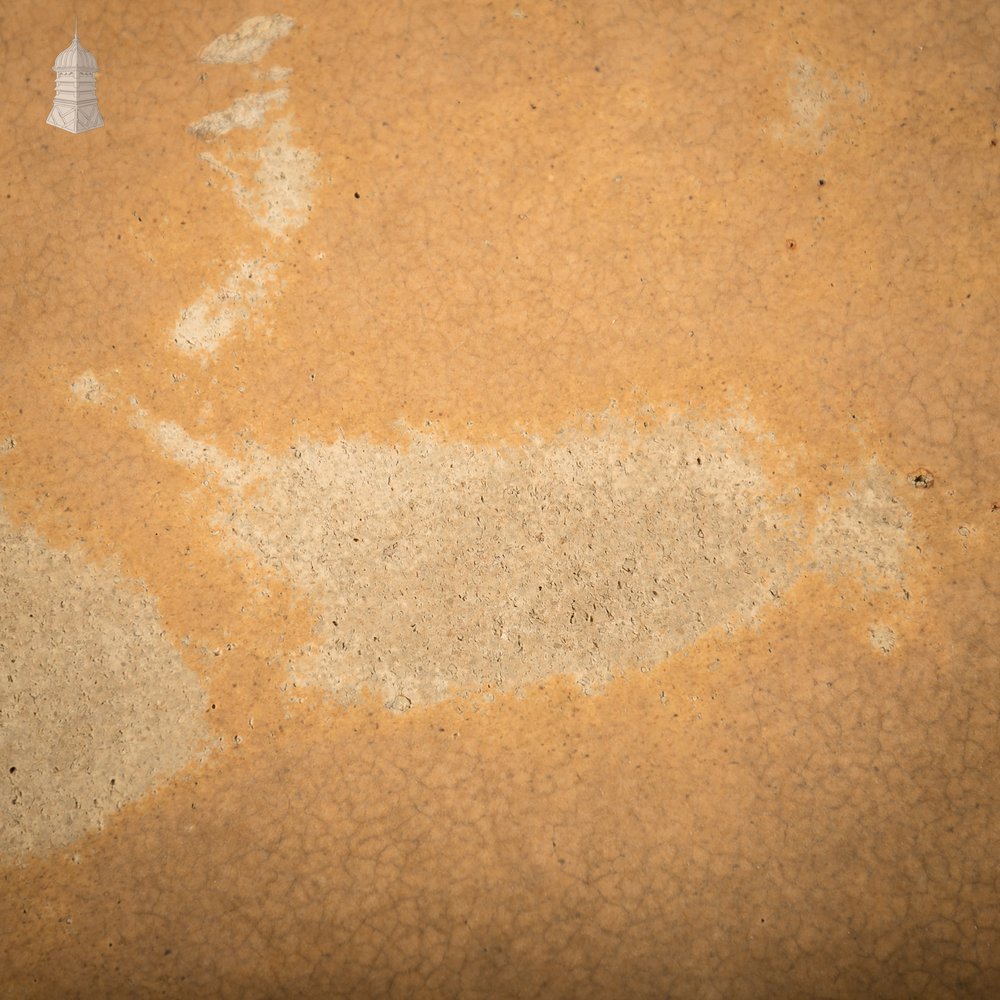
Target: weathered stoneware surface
{"points": [[500, 500]]}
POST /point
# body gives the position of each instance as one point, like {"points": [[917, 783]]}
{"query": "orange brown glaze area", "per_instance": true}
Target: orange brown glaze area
{"points": [[802, 800]]}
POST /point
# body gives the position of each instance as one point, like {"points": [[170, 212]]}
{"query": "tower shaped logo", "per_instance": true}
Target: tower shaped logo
{"points": [[75, 106]]}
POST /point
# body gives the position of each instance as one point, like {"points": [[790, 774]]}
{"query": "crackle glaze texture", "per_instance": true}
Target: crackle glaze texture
{"points": [[499, 500]]}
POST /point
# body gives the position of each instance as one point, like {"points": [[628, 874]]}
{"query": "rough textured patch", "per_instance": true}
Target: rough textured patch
{"points": [[273, 73], [87, 388], [249, 42], [865, 533], [213, 317], [818, 102], [281, 176], [442, 567], [95, 704], [883, 638], [244, 112]]}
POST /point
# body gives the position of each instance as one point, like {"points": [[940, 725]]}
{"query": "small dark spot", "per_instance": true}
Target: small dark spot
{"points": [[597, 69], [213, 706], [993, 142], [168, 951], [822, 182], [790, 244], [13, 770], [356, 195], [698, 460]]}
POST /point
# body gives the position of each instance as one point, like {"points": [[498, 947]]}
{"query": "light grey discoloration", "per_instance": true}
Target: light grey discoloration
{"points": [[245, 112], [95, 703], [249, 42]]}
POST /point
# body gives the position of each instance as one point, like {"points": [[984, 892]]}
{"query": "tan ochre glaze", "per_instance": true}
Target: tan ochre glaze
{"points": [[622, 298]]}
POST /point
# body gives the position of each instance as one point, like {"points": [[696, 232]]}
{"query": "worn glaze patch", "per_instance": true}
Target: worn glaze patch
{"points": [[96, 705], [440, 567], [245, 112], [271, 182], [819, 103], [249, 42], [237, 305], [443, 567]]}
